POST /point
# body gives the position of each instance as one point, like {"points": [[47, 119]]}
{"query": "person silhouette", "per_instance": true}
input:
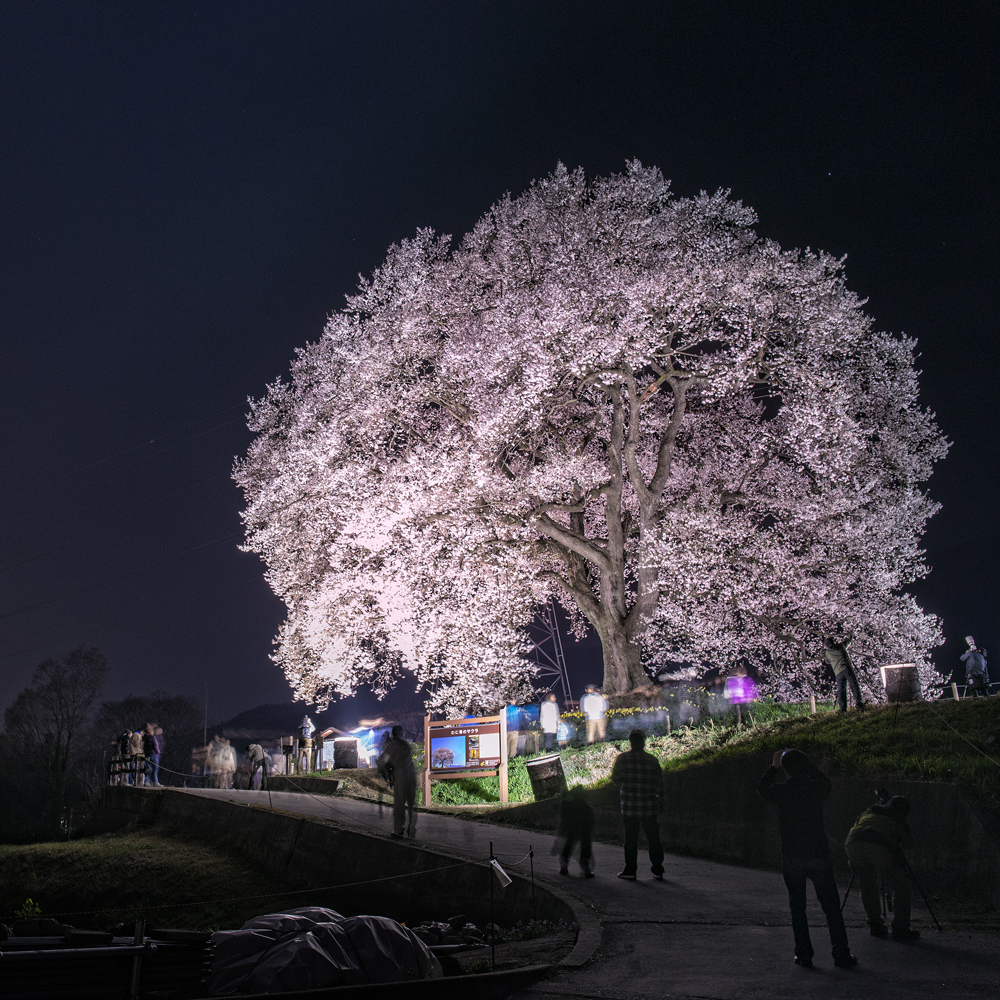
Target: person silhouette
{"points": [[977, 673], [805, 853], [640, 780]]}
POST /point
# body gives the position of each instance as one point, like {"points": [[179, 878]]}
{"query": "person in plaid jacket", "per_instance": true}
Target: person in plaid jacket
{"points": [[640, 779]]}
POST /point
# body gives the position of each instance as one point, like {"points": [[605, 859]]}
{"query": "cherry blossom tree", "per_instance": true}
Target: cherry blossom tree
{"points": [[697, 441]]}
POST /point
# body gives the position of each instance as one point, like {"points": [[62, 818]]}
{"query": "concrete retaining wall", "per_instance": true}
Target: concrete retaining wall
{"points": [[418, 883], [714, 811]]}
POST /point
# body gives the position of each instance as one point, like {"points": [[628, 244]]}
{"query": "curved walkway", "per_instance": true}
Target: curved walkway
{"points": [[707, 930]]}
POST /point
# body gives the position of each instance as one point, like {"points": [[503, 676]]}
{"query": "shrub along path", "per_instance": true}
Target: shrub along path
{"points": [[708, 930]]}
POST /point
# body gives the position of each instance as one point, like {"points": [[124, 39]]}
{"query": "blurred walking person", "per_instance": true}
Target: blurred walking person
{"points": [[395, 764], [548, 716], [220, 763], [513, 721], [595, 708], [837, 655], [805, 853], [576, 825], [640, 779], [120, 767]]}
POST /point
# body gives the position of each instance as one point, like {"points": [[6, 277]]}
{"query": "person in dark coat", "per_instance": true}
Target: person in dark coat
{"points": [[875, 847], [640, 780], [152, 747], [839, 658], [977, 674], [805, 852], [576, 824], [396, 762]]}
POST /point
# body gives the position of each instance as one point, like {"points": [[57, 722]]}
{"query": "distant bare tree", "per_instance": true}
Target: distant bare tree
{"points": [[45, 724]]}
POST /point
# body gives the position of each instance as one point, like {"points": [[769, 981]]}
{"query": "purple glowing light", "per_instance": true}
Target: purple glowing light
{"points": [[740, 690]]}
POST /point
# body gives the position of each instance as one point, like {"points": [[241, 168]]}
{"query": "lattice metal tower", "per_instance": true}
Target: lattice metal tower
{"points": [[549, 654]]}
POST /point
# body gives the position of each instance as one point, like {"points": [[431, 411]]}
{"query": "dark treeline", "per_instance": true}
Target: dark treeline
{"points": [[58, 737]]}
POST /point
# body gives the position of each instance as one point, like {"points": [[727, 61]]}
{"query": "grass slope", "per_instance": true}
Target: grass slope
{"points": [[168, 881], [936, 741]]}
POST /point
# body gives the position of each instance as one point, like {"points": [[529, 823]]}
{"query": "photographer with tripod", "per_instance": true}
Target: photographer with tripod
{"points": [[875, 847], [977, 674]]}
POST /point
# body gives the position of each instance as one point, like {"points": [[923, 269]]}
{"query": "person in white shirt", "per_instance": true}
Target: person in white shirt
{"points": [[549, 718], [594, 707]]}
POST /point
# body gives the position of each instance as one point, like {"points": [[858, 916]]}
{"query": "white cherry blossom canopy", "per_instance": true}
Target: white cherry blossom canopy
{"points": [[696, 440]]}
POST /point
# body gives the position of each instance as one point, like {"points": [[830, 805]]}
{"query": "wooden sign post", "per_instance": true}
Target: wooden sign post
{"points": [[465, 748]]}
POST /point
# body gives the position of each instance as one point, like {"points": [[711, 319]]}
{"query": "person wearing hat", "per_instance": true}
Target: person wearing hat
{"points": [[805, 852], [875, 847]]}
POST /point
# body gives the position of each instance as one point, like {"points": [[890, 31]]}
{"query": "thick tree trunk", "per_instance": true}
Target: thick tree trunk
{"points": [[618, 613], [622, 667]]}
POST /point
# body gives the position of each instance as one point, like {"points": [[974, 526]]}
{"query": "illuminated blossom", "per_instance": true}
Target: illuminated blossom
{"points": [[698, 441]]}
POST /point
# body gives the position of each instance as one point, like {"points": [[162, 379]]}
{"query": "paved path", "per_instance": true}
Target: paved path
{"points": [[707, 931]]}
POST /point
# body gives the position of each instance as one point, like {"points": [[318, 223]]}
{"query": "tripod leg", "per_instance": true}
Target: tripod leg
{"points": [[850, 885], [886, 900], [923, 896]]}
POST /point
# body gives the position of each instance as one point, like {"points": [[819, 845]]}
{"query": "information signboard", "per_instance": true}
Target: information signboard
{"points": [[465, 745], [465, 748]]}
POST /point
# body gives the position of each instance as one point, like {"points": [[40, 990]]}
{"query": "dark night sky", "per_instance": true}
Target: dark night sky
{"points": [[188, 189]]}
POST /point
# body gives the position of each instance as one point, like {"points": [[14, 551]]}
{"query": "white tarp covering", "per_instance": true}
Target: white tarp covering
{"points": [[314, 947]]}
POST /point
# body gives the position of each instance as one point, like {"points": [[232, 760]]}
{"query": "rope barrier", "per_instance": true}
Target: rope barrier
{"points": [[960, 736], [511, 864]]}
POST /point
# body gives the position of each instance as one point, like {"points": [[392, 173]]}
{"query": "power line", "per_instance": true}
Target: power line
{"points": [[137, 447], [120, 576], [90, 628], [128, 510]]}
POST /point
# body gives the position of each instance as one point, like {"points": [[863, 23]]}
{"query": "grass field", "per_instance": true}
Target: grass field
{"points": [[938, 741], [118, 877]]}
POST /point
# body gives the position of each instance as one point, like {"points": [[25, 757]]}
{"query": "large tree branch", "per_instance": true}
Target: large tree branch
{"points": [[635, 475], [668, 441], [564, 536], [585, 600], [578, 507]]}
